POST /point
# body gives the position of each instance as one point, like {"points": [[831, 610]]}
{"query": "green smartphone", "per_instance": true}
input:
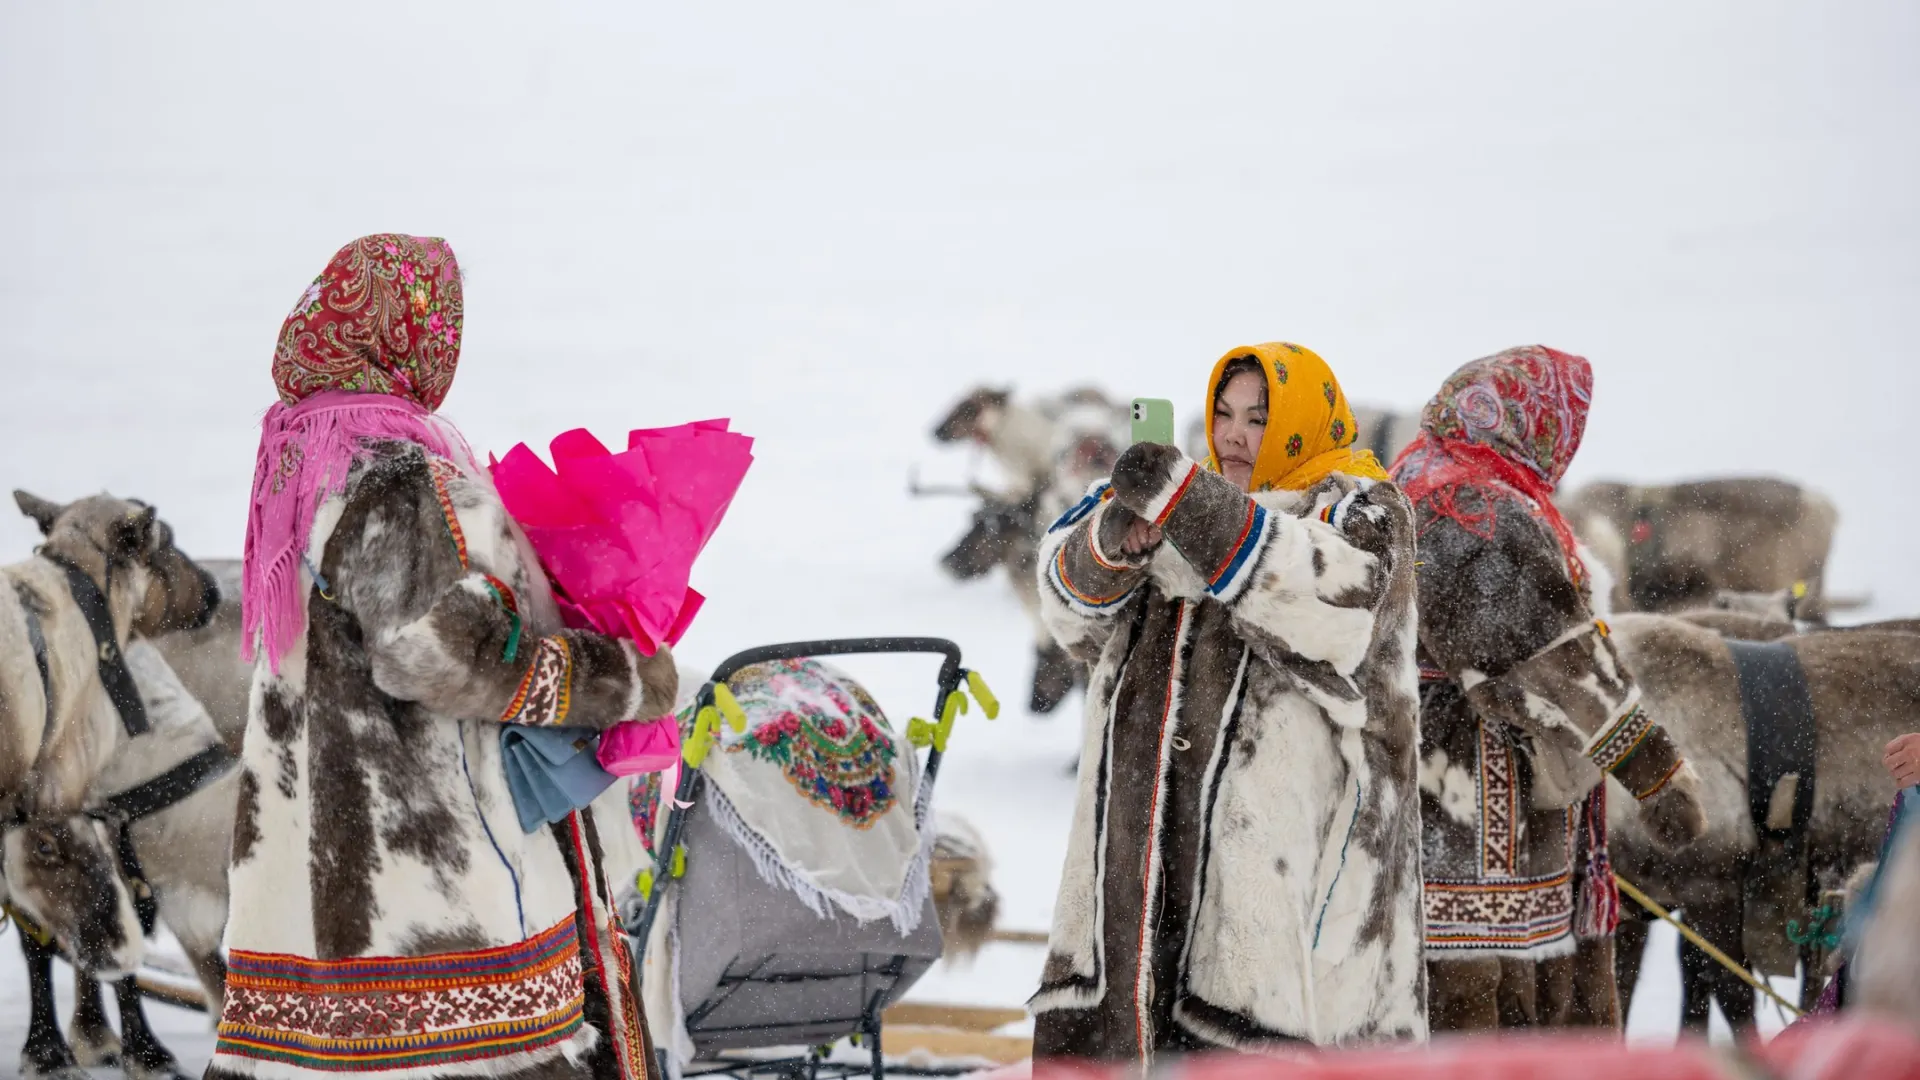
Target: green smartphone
{"points": [[1153, 420]]}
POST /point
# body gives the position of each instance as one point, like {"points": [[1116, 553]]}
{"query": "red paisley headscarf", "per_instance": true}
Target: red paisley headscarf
{"points": [[367, 353], [384, 317], [1512, 420]]}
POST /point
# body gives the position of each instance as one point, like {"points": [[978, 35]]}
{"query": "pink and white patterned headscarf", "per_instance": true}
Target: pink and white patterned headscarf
{"points": [[1513, 420]]}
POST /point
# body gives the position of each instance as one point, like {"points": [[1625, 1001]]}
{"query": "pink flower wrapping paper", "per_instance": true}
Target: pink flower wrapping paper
{"points": [[617, 534]]}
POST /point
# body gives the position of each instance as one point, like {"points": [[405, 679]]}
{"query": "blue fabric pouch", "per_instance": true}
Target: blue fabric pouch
{"points": [[551, 772]]}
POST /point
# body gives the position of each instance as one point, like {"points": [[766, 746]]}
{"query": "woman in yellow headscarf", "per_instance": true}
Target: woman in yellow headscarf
{"points": [[1243, 869]]}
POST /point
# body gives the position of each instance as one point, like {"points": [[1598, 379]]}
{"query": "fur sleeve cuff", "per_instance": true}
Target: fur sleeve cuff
{"points": [[1150, 480], [1086, 575], [1164, 501], [1105, 535], [656, 682]]}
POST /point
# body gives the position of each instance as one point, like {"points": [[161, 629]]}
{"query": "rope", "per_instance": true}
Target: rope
{"points": [[1702, 944]]}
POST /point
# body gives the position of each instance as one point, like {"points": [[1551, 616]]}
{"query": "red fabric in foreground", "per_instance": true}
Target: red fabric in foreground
{"points": [[1851, 1049]]}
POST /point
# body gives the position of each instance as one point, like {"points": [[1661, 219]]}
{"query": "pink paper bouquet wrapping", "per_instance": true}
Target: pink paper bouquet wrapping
{"points": [[617, 534], [637, 747]]}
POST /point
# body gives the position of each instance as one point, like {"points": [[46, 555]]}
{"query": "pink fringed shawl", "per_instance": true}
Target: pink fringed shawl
{"points": [[305, 453]]}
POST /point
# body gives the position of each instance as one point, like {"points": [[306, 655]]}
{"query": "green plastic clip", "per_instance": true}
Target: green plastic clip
{"points": [[988, 703], [956, 704], [694, 750], [679, 868], [729, 708], [921, 732], [643, 881]]}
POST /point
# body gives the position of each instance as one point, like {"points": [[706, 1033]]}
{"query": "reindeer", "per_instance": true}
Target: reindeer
{"points": [[207, 659], [1053, 449], [109, 569], [175, 795], [1686, 542], [1865, 689]]}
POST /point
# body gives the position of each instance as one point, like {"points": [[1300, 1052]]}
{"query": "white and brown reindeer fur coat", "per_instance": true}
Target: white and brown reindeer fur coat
{"points": [[376, 841], [1526, 705], [1244, 864]]}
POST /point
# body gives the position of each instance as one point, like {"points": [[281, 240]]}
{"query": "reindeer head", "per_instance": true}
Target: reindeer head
{"points": [[61, 873], [973, 417], [124, 546]]}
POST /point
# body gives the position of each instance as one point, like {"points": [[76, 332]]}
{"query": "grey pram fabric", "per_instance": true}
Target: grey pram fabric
{"points": [[757, 968]]}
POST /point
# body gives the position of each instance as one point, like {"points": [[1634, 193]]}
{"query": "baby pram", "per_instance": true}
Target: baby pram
{"points": [[761, 953]]}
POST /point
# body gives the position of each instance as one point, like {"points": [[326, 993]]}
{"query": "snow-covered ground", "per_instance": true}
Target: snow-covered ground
{"points": [[828, 221]]}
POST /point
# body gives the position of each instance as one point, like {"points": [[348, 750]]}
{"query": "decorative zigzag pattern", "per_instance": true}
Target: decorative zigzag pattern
{"points": [[390, 1013]]}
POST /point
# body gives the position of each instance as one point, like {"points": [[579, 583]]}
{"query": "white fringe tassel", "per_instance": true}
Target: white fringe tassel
{"points": [[904, 912]]}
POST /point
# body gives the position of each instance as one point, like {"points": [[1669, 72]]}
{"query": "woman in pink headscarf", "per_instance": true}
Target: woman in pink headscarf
{"points": [[1525, 708], [388, 911]]}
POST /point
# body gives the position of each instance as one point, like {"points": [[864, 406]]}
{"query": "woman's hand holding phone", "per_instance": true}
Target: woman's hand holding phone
{"points": [[1142, 536]]}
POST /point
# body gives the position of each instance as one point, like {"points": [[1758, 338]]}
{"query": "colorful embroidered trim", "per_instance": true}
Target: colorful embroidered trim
{"points": [[1499, 805], [616, 983], [1662, 782], [1612, 747], [1164, 512], [643, 806], [1058, 572], [1099, 493], [1252, 532], [444, 472], [503, 595], [1514, 915], [1093, 548], [545, 691], [1239, 544], [386, 1013]]}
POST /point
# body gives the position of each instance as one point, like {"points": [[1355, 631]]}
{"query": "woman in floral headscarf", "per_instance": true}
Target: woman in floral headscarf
{"points": [[1243, 869], [1525, 707], [388, 912]]}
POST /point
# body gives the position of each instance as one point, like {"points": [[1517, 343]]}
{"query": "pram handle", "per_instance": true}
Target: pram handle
{"points": [[795, 650], [950, 678]]}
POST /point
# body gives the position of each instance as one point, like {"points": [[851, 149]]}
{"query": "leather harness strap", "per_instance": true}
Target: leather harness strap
{"points": [[170, 788], [114, 676], [1777, 706]]}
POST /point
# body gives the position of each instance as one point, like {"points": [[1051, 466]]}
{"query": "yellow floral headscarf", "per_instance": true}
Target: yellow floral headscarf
{"points": [[1310, 429]]}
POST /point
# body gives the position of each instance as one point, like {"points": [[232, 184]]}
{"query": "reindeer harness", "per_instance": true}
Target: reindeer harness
{"points": [[118, 812], [1782, 744], [1777, 707]]}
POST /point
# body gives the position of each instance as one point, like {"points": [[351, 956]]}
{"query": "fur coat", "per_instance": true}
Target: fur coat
{"points": [[1525, 709], [1243, 869], [388, 912]]}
